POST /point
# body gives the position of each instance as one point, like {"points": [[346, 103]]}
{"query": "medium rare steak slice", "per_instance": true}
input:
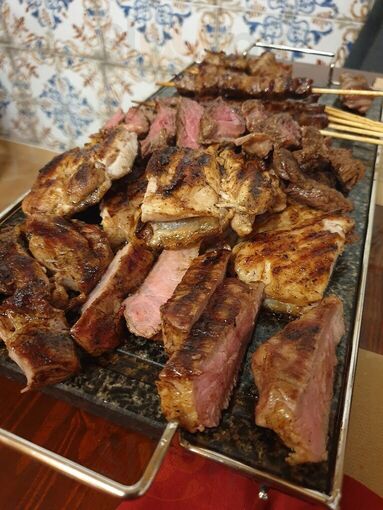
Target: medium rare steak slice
{"points": [[162, 130], [189, 114], [99, 328], [191, 296], [196, 383], [294, 374], [221, 121], [37, 338], [142, 309]]}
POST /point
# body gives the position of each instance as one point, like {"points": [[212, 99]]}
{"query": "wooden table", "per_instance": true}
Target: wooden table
{"points": [[95, 442]]}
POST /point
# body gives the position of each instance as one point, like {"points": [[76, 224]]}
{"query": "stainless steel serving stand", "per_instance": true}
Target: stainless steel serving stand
{"points": [[100, 482]]}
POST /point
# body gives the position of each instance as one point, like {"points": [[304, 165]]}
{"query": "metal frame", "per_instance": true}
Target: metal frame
{"points": [[98, 481]]}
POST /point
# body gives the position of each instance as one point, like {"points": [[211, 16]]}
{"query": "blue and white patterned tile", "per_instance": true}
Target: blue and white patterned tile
{"points": [[77, 33], [239, 30], [321, 34], [27, 23], [355, 10], [163, 36], [123, 87]]}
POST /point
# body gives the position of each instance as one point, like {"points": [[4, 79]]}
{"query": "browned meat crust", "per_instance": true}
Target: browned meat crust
{"points": [[197, 381], [99, 328], [191, 296], [75, 252], [37, 338], [294, 374]]}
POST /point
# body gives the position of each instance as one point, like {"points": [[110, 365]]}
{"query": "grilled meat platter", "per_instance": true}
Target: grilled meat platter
{"points": [[180, 229]]}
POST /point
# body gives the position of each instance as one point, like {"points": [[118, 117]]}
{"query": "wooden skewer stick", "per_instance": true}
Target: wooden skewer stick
{"points": [[351, 116], [345, 122], [348, 92], [149, 104], [165, 83], [348, 129], [374, 125], [355, 138]]}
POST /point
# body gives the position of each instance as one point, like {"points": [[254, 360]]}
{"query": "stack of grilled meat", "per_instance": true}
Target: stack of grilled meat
{"points": [[209, 209]]}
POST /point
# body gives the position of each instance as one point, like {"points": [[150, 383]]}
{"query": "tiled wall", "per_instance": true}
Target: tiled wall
{"points": [[67, 64]]}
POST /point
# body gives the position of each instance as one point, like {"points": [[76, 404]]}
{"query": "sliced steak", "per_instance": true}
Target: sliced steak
{"points": [[294, 374], [137, 120], [282, 129], [115, 119], [142, 309], [162, 130], [99, 328], [191, 296], [189, 114], [221, 121], [196, 383]]}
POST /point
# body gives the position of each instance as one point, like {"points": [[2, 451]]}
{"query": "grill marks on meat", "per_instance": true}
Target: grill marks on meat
{"points": [[17, 268], [196, 383], [265, 64], [294, 265], [191, 296], [162, 129], [99, 328], [221, 121], [142, 309], [120, 210], [182, 183], [37, 338], [75, 252], [212, 80], [304, 190], [294, 374], [189, 114], [359, 104], [35, 333], [245, 188], [304, 113], [78, 178]]}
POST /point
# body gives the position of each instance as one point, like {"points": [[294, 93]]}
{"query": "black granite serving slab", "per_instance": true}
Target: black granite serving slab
{"points": [[121, 386]]}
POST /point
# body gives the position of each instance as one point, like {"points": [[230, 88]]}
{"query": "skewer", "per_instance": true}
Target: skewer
{"points": [[335, 112], [354, 138], [346, 122], [359, 130], [165, 83], [348, 92]]}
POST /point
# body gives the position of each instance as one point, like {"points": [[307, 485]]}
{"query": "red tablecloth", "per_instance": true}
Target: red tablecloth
{"points": [[190, 482]]}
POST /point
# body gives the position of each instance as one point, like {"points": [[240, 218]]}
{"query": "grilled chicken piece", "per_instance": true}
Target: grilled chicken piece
{"points": [[75, 252], [294, 374], [120, 211], [294, 216], [245, 188], [196, 383], [37, 338], [99, 328], [76, 179], [191, 296], [295, 265], [182, 183], [17, 268], [142, 309], [175, 235]]}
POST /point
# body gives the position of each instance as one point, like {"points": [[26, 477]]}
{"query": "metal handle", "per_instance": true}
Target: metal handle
{"points": [[88, 476], [292, 49]]}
